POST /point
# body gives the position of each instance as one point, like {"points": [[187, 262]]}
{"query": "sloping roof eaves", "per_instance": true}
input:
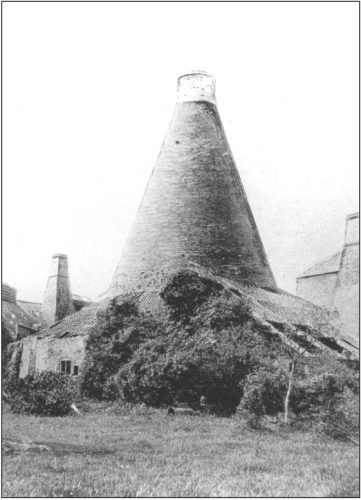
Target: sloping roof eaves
{"points": [[283, 307], [80, 322], [33, 309], [75, 324], [330, 265], [14, 315]]}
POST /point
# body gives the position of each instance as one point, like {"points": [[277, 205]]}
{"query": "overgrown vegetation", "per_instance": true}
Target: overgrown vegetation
{"points": [[186, 292], [210, 345], [206, 347], [49, 394]]}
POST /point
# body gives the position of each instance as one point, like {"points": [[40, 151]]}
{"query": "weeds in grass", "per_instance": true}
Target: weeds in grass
{"points": [[140, 455]]}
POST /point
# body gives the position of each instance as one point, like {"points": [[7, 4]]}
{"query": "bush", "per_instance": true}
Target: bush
{"points": [[208, 345], [184, 370], [324, 396], [263, 394], [186, 292], [205, 348], [119, 331], [330, 403], [340, 420], [49, 394]]}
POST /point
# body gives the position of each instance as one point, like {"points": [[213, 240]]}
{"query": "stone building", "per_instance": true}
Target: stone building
{"points": [[23, 318], [334, 283], [59, 347], [28, 322], [194, 215], [19, 317]]}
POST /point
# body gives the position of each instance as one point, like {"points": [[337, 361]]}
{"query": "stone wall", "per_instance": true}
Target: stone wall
{"points": [[318, 289], [40, 354], [28, 358], [51, 351], [346, 297]]}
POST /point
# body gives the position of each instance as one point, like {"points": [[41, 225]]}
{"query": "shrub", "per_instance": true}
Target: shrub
{"points": [[340, 420], [48, 393], [206, 347], [119, 331], [186, 292], [209, 345], [324, 395], [330, 403], [184, 372], [263, 394]]}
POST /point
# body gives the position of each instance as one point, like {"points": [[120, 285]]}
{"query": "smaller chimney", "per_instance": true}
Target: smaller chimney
{"points": [[58, 301], [197, 86], [352, 234]]}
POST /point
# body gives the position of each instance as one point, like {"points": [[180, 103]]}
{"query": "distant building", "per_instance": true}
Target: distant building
{"points": [[19, 317], [334, 283], [23, 318]]}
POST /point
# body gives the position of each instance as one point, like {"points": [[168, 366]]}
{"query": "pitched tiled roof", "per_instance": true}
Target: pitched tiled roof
{"points": [[330, 265], [273, 307], [75, 324], [79, 323], [13, 315], [278, 306], [33, 309]]}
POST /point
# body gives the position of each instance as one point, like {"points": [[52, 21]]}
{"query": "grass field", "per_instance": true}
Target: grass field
{"points": [[151, 454]]}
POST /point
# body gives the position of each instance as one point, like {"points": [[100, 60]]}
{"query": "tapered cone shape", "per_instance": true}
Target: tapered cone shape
{"points": [[194, 208]]}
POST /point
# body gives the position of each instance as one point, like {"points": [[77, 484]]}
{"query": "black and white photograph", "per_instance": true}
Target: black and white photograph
{"points": [[180, 249]]}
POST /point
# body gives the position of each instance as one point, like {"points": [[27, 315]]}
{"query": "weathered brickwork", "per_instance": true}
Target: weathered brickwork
{"points": [[28, 358], [334, 283], [40, 354], [58, 301], [346, 295], [194, 207]]}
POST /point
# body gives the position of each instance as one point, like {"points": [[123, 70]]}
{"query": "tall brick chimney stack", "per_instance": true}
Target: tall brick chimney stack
{"points": [[194, 208], [57, 298]]}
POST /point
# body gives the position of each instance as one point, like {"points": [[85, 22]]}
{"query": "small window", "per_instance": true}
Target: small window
{"points": [[65, 366], [75, 370]]}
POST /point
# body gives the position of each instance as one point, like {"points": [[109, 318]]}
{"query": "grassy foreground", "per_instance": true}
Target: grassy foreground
{"points": [[150, 454]]}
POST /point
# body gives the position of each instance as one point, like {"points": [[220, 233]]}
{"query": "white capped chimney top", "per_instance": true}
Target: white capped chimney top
{"points": [[197, 86]]}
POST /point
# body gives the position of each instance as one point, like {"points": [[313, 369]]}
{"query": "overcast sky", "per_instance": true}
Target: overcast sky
{"points": [[88, 94]]}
